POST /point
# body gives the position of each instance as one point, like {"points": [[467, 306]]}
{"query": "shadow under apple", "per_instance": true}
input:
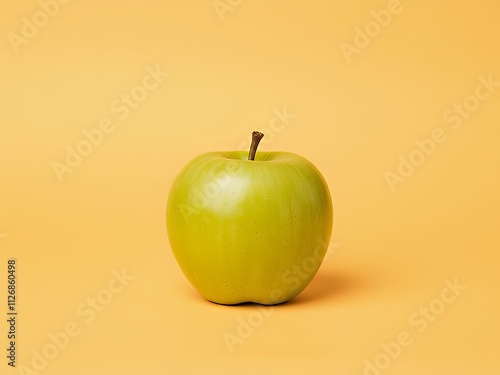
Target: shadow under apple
{"points": [[330, 284], [327, 284]]}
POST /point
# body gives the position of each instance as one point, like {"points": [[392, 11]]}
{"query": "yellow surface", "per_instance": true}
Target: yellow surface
{"points": [[304, 74]]}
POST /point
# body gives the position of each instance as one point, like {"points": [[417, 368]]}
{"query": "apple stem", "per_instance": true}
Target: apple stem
{"points": [[256, 137]]}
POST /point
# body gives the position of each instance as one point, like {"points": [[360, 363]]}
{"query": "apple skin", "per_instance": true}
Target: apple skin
{"points": [[249, 231]]}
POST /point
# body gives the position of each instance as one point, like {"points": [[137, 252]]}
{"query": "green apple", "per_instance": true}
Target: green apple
{"points": [[249, 228]]}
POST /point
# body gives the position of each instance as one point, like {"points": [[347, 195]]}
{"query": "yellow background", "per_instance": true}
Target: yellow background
{"points": [[394, 250]]}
